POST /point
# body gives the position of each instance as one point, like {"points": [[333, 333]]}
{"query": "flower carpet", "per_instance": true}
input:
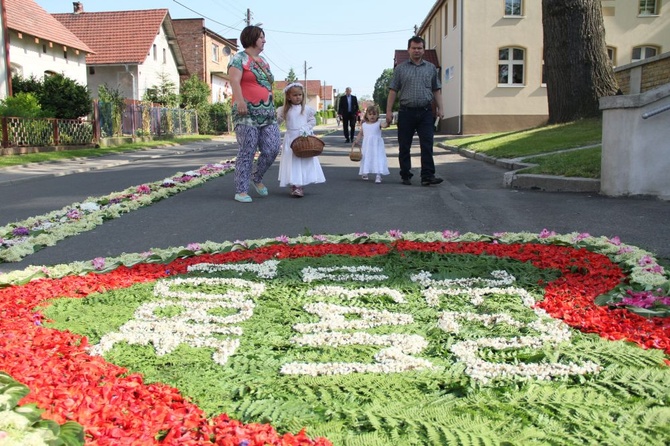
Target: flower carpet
{"points": [[359, 339], [22, 238]]}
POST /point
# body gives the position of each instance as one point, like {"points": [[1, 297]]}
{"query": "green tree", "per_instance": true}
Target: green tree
{"points": [[165, 93], [291, 76], [64, 98], [278, 97], [195, 93], [381, 91], [577, 70]]}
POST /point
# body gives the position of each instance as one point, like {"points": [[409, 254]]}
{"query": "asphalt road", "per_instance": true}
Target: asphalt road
{"points": [[471, 199]]}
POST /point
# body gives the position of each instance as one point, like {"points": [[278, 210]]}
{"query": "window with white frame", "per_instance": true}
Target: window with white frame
{"points": [[511, 66], [445, 13], [611, 54], [643, 52], [215, 52], [454, 13], [648, 7], [514, 8]]}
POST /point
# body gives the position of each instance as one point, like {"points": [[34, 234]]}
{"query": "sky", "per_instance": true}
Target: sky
{"points": [[346, 43]]}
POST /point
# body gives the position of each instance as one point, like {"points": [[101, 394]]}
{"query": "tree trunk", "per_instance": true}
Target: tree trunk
{"points": [[577, 70]]}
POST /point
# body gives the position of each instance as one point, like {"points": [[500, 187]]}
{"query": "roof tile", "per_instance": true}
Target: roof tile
{"points": [[117, 37]]}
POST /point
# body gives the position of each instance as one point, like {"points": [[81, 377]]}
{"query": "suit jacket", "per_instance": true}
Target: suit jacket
{"points": [[342, 106]]}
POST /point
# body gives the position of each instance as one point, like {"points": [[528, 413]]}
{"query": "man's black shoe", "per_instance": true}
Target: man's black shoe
{"points": [[406, 181], [347, 140], [429, 181]]}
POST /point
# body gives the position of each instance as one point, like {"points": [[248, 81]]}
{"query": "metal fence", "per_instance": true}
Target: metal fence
{"points": [[138, 119], [39, 132], [135, 120]]}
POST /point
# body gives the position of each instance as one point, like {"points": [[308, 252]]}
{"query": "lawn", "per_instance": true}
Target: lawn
{"points": [[545, 140], [577, 163], [534, 141]]}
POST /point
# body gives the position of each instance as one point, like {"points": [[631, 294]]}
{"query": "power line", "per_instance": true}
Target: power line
{"points": [[294, 32], [339, 34]]}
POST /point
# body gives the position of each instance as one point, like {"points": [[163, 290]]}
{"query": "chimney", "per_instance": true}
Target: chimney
{"points": [[78, 7]]}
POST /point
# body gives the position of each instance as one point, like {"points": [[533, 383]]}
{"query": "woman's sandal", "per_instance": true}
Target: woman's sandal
{"points": [[243, 198], [262, 190]]}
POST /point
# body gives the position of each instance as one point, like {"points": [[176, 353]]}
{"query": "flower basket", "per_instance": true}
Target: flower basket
{"points": [[307, 146], [355, 154]]}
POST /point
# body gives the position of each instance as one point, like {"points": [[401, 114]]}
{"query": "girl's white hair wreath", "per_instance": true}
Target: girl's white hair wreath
{"points": [[293, 84]]}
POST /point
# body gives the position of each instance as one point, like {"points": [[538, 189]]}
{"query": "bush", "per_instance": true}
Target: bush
{"points": [[22, 105], [23, 85], [214, 118], [64, 98]]}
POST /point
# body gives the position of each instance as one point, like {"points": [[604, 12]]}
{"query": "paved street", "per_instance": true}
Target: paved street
{"points": [[471, 199]]}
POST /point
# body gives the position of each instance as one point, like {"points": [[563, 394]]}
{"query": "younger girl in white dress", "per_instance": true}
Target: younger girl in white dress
{"points": [[300, 120], [374, 154]]}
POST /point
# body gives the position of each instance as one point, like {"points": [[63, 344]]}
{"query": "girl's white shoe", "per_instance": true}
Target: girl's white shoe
{"points": [[364, 177], [378, 179]]}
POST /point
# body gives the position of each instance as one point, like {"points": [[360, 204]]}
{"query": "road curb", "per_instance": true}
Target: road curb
{"points": [[515, 180]]}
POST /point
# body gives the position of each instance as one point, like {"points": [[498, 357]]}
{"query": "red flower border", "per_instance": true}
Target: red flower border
{"points": [[117, 408]]}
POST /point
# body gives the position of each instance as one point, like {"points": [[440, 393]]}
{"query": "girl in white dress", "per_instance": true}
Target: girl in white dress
{"points": [[300, 120], [374, 154]]}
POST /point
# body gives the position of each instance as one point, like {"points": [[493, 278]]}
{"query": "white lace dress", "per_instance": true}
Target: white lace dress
{"points": [[374, 154], [294, 171]]}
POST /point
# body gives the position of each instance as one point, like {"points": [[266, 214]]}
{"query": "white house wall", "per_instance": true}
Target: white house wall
{"points": [[153, 68], [117, 77], [33, 59]]}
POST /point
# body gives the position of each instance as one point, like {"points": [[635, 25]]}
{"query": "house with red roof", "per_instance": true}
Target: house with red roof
{"points": [[132, 51], [40, 45], [319, 95], [206, 54]]}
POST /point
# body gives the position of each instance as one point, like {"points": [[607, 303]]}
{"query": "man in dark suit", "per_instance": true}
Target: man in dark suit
{"points": [[348, 110]]}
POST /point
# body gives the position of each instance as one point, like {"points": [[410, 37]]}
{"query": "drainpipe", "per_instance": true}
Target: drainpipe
{"points": [[462, 80], [5, 33], [133, 76], [133, 88]]}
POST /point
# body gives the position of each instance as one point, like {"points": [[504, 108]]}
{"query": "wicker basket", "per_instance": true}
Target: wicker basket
{"points": [[355, 154], [307, 146]]}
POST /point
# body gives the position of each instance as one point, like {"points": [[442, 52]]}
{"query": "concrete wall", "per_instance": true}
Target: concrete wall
{"points": [[644, 75], [636, 153]]}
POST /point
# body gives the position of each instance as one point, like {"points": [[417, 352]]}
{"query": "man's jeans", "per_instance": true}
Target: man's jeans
{"points": [[420, 121]]}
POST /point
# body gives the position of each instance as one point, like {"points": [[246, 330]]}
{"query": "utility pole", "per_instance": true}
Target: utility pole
{"points": [[248, 19], [306, 68], [324, 114]]}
